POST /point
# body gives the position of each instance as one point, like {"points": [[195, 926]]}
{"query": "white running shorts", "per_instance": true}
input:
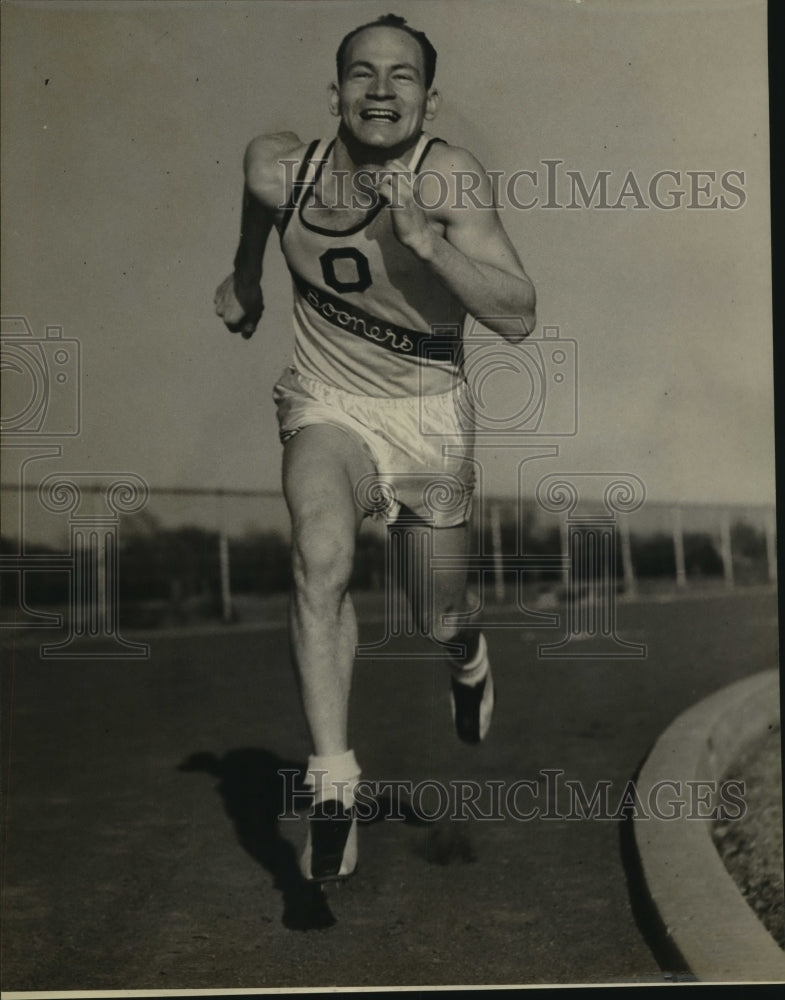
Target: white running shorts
{"points": [[421, 446]]}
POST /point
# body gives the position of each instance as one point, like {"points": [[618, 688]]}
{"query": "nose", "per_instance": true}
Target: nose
{"points": [[381, 89]]}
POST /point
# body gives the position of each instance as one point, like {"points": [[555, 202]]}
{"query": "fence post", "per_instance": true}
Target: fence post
{"points": [[628, 569], [94, 577], [496, 546], [678, 548], [726, 549], [564, 547], [591, 539], [771, 545], [226, 591], [224, 562]]}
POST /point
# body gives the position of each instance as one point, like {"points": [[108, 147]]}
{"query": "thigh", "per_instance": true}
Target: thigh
{"points": [[322, 467]]}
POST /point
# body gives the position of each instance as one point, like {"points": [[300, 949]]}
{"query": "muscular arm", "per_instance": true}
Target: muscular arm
{"points": [[238, 300], [466, 247], [255, 228]]}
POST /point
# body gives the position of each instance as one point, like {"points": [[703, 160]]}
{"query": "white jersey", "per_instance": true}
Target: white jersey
{"points": [[368, 317]]}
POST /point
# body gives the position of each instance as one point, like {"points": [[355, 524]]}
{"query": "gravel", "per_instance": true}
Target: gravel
{"points": [[751, 846]]}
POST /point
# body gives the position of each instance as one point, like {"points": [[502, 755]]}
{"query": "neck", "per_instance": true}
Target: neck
{"points": [[349, 154]]}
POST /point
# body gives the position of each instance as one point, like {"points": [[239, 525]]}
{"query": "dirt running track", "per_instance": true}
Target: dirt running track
{"points": [[143, 849]]}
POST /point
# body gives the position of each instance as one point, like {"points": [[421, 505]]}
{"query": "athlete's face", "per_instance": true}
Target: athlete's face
{"points": [[382, 98]]}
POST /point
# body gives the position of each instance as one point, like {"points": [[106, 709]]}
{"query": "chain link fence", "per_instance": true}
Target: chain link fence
{"points": [[182, 555]]}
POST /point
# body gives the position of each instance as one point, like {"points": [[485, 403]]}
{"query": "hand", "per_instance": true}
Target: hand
{"points": [[410, 223], [240, 307]]}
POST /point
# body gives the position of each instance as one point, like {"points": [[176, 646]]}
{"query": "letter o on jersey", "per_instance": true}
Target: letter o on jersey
{"points": [[362, 271]]}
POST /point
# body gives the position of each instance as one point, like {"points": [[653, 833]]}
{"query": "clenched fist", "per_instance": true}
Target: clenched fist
{"points": [[410, 223], [239, 306]]}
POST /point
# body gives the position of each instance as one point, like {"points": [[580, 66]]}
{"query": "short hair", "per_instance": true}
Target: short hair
{"points": [[392, 21]]}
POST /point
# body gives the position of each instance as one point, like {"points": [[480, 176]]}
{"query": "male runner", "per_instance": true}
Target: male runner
{"points": [[375, 270]]}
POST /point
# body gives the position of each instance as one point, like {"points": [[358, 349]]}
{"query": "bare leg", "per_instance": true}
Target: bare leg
{"points": [[448, 588], [472, 691], [321, 466]]}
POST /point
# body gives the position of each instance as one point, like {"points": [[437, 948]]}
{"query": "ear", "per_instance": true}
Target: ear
{"points": [[334, 100], [433, 102]]}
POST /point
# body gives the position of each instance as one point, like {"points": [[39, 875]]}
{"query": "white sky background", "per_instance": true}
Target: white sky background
{"points": [[121, 198]]}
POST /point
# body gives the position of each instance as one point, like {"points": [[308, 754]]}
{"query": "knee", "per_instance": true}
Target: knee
{"points": [[440, 633], [434, 620], [434, 625], [321, 563], [459, 644]]}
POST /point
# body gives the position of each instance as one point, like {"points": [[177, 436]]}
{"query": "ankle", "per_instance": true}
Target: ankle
{"points": [[470, 642], [471, 669], [333, 776]]}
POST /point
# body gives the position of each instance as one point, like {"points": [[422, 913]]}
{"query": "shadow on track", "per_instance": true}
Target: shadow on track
{"points": [[254, 794]]}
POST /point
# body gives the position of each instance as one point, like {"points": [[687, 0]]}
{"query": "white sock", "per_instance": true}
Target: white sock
{"points": [[333, 776], [473, 672]]}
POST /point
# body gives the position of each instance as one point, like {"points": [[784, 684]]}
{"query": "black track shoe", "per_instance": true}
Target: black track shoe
{"points": [[330, 853], [472, 708]]}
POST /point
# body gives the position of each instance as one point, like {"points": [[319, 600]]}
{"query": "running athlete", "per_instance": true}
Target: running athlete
{"points": [[387, 257]]}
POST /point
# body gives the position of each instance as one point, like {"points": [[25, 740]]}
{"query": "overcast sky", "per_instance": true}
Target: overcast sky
{"points": [[124, 129]]}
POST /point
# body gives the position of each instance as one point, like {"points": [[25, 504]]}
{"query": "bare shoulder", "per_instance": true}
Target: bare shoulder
{"points": [[446, 158], [270, 163], [448, 173]]}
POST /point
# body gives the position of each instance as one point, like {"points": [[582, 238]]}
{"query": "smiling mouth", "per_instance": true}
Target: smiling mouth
{"points": [[379, 115]]}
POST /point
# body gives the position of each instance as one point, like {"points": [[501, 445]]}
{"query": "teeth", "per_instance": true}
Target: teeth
{"points": [[390, 116]]}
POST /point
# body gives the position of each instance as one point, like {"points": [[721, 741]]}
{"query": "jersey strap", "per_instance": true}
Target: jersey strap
{"points": [[422, 150], [442, 346], [300, 183], [313, 163]]}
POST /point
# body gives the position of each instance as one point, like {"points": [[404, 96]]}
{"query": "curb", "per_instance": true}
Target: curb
{"points": [[704, 913]]}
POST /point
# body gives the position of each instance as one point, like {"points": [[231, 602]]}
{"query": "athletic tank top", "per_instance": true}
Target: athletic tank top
{"points": [[368, 316]]}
